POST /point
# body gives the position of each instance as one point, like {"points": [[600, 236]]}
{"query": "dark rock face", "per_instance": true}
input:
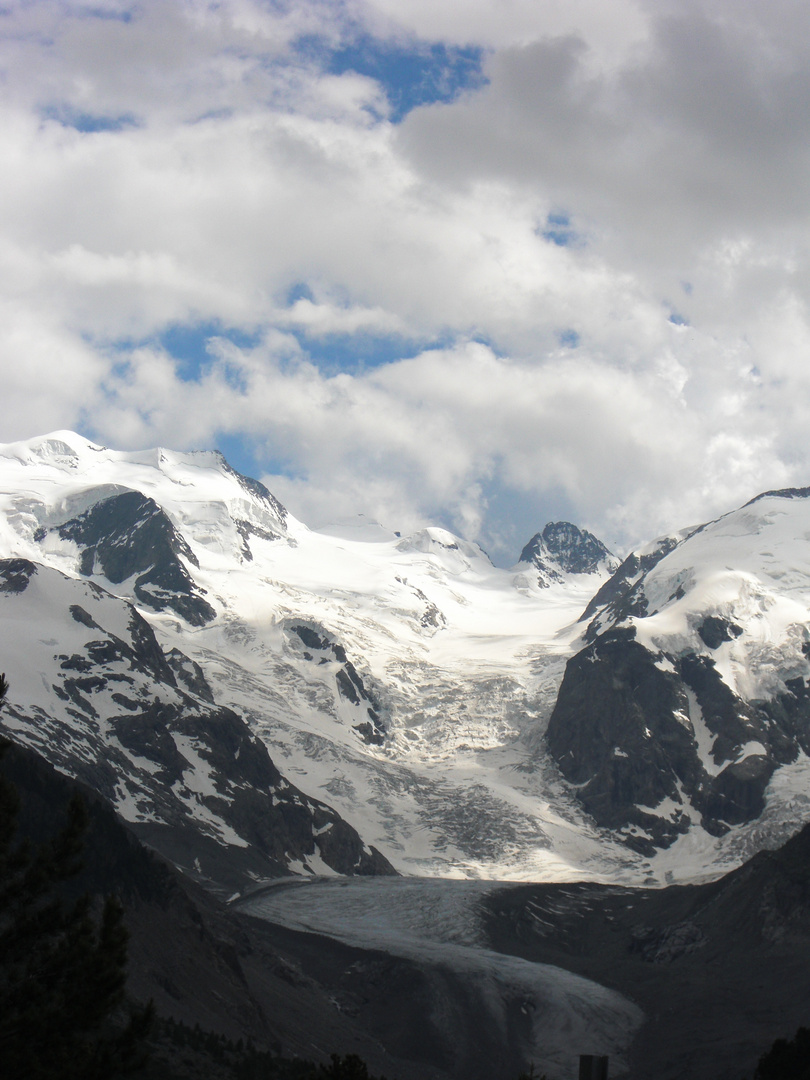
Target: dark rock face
{"points": [[246, 530], [350, 685], [737, 794], [276, 819], [562, 548], [189, 674], [15, 575], [663, 945], [714, 631], [782, 493], [715, 751], [733, 721], [129, 534], [788, 715], [248, 794], [142, 729], [616, 729], [621, 729], [141, 653]]}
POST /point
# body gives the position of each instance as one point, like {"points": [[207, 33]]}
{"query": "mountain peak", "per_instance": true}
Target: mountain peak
{"points": [[562, 549], [454, 554], [64, 449]]}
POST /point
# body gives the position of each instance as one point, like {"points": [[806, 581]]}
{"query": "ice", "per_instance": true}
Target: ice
{"points": [[463, 659], [438, 924], [751, 568]]}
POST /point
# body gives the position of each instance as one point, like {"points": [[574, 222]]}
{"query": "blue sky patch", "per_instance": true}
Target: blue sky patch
{"points": [[559, 230], [241, 454], [188, 343], [677, 319], [87, 122], [299, 291], [411, 75], [354, 353], [569, 339], [519, 515], [244, 453]]}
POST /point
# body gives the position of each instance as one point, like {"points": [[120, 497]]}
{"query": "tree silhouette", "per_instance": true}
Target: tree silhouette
{"points": [[351, 1067], [787, 1059], [62, 967]]}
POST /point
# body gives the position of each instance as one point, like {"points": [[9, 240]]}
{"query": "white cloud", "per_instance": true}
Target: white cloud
{"points": [[699, 141], [672, 136], [321, 319], [612, 30], [429, 438], [51, 379]]}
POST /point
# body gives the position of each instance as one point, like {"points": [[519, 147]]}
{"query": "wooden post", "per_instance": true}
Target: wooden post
{"points": [[592, 1067]]}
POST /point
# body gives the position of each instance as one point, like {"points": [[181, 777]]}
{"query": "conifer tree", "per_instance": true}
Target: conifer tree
{"points": [[787, 1059], [62, 968]]}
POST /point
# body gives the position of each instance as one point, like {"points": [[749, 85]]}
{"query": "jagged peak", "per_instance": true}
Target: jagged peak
{"points": [[563, 548]]}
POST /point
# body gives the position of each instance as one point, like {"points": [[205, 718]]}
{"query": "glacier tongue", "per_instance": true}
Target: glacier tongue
{"points": [[438, 924]]}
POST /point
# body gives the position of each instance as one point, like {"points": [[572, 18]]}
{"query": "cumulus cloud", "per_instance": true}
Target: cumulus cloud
{"points": [[435, 437], [612, 31], [576, 286], [701, 138]]}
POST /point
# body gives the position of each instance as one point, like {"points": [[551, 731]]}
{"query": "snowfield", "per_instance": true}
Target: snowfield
{"points": [[404, 681]]}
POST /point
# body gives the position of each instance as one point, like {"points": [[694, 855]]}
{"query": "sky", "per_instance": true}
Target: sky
{"points": [[478, 263]]}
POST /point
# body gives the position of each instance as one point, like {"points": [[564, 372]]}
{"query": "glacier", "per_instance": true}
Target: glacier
{"points": [[404, 682]]}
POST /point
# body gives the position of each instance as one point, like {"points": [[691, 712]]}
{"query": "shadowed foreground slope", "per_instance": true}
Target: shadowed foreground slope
{"points": [[721, 970]]}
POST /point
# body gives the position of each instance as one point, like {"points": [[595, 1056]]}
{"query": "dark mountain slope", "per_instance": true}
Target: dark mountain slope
{"points": [[693, 687], [201, 963], [720, 970], [140, 726]]}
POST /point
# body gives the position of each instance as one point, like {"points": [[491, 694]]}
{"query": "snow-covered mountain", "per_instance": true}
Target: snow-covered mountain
{"points": [[100, 699], [692, 689], [393, 678], [167, 625], [562, 549]]}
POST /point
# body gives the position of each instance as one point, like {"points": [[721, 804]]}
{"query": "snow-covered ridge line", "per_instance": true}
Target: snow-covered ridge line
{"points": [[396, 679], [409, 683], [699, 653]]}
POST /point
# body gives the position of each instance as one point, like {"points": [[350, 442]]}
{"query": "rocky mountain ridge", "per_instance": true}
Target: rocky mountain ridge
{"points": [[168, 622], [140, 726], [562, 549], [362, 666], [692, 689]]}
